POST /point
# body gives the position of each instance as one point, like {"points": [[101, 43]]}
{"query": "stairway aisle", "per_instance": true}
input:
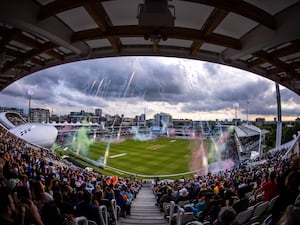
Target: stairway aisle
{"points": [[143, 209]]}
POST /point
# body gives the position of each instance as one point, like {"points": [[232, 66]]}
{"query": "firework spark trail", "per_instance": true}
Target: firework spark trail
{"points": [[129, 83], [119, 132], [125, 93], [99, 86], [106, 154], [92, 86], [204, 158], [201, 127], [105, 88], [199, 160]]}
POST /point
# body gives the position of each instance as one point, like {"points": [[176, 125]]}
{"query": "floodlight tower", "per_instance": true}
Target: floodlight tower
{"points": [[279, 118], [236, 106], [30, 93], [247, 112]]}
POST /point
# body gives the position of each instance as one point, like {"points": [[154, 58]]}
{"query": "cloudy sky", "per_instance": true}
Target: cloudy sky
{"points": [[134, 85]]}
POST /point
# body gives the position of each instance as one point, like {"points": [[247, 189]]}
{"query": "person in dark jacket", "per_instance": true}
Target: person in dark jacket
{"points": [[87, 208], [287, 196]]}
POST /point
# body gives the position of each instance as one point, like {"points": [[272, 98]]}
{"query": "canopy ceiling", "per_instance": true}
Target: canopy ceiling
{"points": [[258, 36]]}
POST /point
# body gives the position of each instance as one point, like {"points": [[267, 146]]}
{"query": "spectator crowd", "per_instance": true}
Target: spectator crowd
{"points": [[219, 198], [37, 187]]}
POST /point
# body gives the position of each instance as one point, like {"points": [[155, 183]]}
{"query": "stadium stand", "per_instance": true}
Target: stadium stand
{"points": [[37, 187]]}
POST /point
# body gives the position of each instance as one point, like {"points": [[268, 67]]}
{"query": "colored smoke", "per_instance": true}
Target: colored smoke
{"points": [[81, 142], [140, 136]]}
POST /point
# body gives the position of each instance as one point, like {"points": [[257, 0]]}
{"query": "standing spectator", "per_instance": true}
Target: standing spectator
{"points": [[269, 188]]}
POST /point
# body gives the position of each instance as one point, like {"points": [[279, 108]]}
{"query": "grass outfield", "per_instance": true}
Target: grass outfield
{"points": [[155, 157]]}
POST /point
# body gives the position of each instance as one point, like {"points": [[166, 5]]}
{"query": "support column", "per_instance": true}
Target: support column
{"points": [[279, 119]]}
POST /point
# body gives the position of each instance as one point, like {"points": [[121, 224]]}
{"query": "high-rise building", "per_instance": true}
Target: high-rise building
{"points": [[98, 112], [54, 118], [79, 116], [162, 120], [140, 120], [260, 121], [38, 115]]}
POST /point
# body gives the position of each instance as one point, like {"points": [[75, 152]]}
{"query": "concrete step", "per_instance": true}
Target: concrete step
{"points": [[143, 210]]}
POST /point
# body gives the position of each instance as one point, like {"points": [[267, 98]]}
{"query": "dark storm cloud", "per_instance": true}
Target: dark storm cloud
{"points": [[241, 91], [68, 104], [45, 79], [153, 79], [287, 95], [113, 79], [192, 85], [16, 92], [259, 95], [205, 106], [69, 96]]}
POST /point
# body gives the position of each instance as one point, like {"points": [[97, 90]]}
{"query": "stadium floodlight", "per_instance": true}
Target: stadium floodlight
{"points": [[30, 93], [236, 106]]}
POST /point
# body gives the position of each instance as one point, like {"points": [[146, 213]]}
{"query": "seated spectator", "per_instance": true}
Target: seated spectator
{"points": [[226, 216], [51, 215], [291, 216], [219, 189], [183, 195], [241, 205], [109, 193], [125, 208], [166, 198], [39, 195], [87, 208], [212, 207], [198, 207], [7, 209], [287, 196]]}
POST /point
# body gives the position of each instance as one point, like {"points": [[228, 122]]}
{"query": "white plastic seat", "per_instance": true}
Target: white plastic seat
{"points": [[272, 203], [188, 217], [115, 210], [244, 216], [182, 203], [81, 220], [260, 209], [248, 194], [180, 216], [267, 220], [166, 208], [91, 222], [103, 215], [172, 211], [194, 223]]}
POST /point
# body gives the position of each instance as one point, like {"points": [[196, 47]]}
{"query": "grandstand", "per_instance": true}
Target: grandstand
{"points": [[249, 138], [258, 210]]}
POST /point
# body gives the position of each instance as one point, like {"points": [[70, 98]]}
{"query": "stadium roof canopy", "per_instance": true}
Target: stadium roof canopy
{"points": [[258, 36], [248, 131]]}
